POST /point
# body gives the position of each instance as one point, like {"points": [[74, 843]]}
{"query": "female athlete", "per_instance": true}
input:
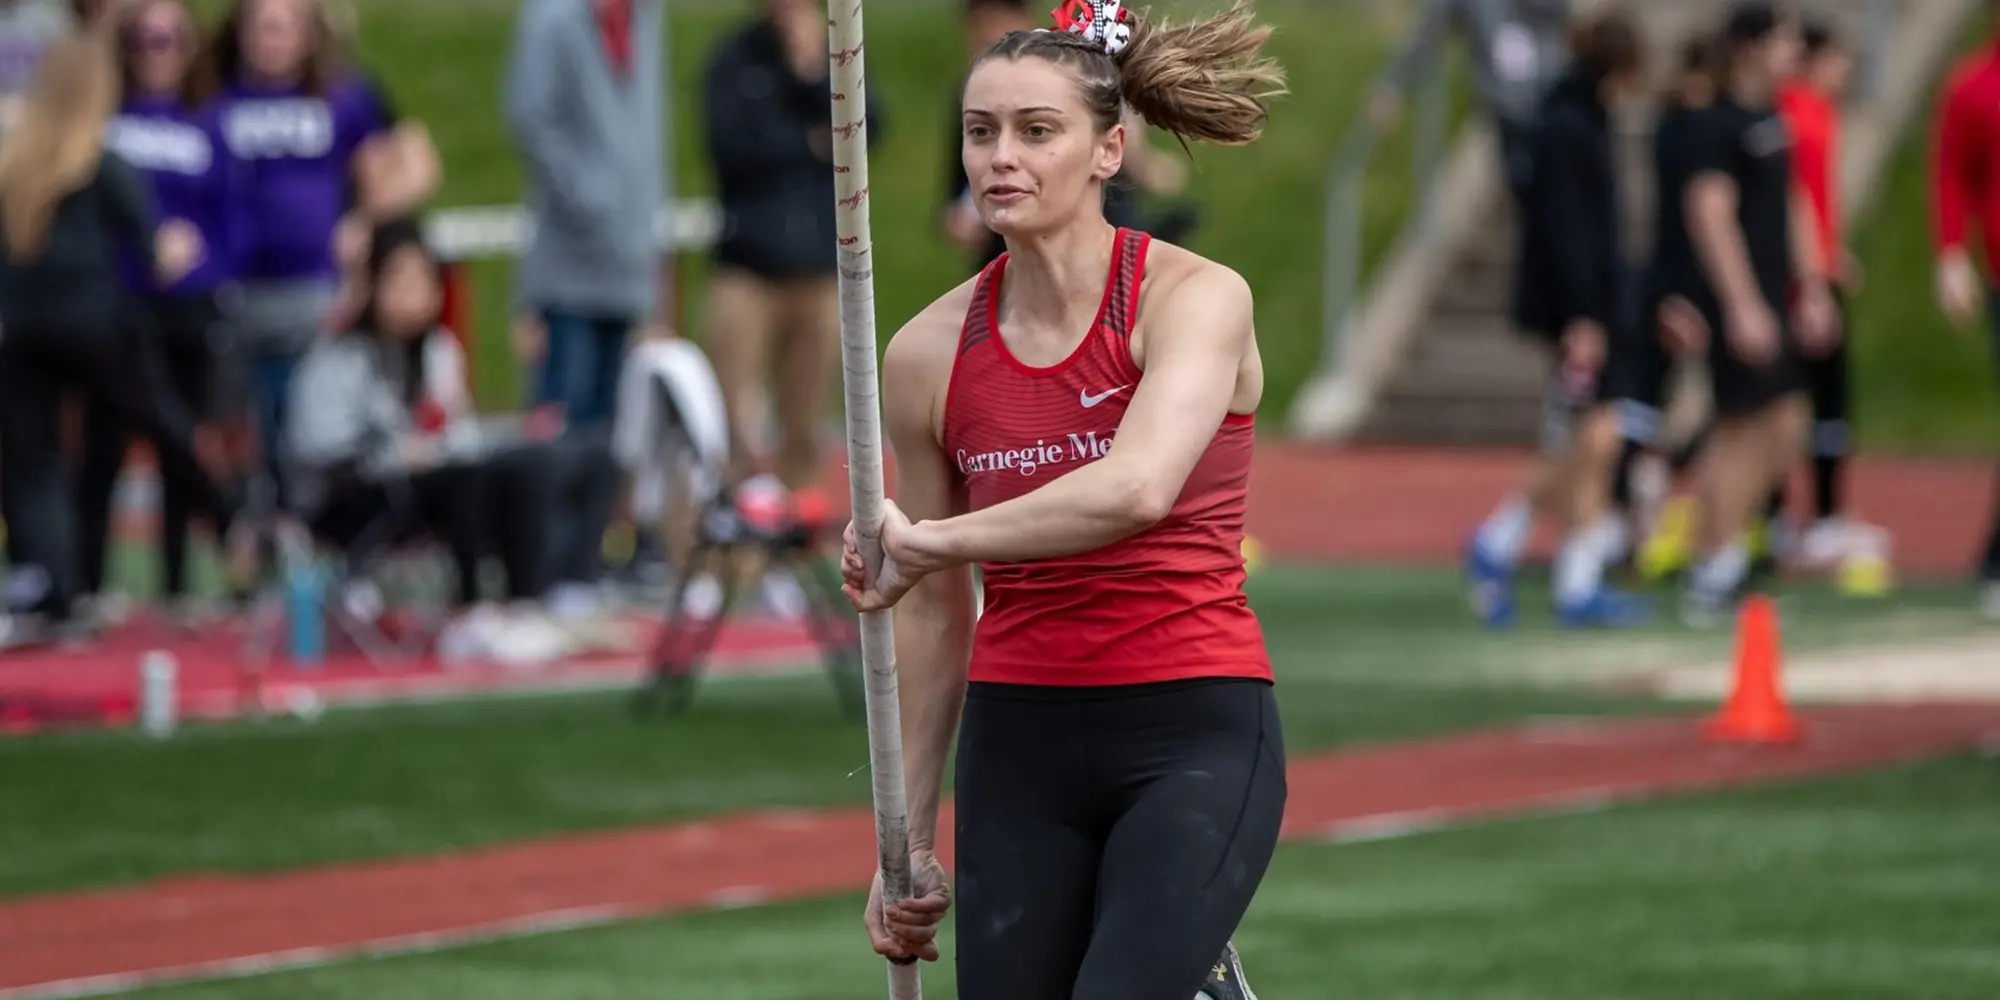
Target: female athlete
{"points": [[1120, 773]]}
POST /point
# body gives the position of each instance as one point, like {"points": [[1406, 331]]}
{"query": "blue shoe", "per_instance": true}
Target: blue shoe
{"points": [[1492, 587], [1607, 608]]}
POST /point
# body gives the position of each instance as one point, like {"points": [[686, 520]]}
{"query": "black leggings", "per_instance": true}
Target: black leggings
{"points": [[39, 362], [499, 506], [174, 337], [1110, 839]]}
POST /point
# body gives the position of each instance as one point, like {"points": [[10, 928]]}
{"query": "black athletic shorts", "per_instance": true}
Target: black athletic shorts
{"points": [[1635, 378], [1743, 389], [1109, 839]]}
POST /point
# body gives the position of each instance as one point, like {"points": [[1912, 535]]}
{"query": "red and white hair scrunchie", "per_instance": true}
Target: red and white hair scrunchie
{"points": [[1105, 22]]}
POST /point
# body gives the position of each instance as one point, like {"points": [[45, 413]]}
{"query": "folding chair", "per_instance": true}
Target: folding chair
{"points": [[672, 435], [794, 547]]}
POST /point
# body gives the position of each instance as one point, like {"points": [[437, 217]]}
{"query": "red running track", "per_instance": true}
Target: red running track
{"points": [[1312, 503]]}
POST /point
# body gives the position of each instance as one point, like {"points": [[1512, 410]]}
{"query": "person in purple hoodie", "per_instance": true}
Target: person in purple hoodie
{"points": [[171, 134], [322, 154]]}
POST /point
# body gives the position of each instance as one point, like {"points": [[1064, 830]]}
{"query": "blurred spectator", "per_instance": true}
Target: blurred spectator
{"points": [[1571, 291], [26, 29], [1516, 49], [65, 208], [385, 444], [172, 135], [1966, 195], [322, 152], [1770, 307], [583, 99], [1810, 105], [583, 102], [1146, 168], [1667, 323], [773, 300]]}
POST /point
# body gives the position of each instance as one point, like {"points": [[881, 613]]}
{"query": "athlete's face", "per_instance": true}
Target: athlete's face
{"points": [[1034, 156], [407, 297], [160, 40], [277, 37], [1784, 51], [1830, 70]]}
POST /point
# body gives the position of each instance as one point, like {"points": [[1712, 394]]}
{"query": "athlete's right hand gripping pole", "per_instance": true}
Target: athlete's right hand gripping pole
{"points": [[864, 454]]}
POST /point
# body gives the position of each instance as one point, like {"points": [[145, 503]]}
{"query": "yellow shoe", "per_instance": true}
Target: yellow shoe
{"points": [[1865, 571], [1667, 551], [1253, 554]]}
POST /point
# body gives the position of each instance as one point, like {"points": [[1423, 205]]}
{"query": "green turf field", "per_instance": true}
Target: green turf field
{"points": [[1362, 655], [1864, 888]]}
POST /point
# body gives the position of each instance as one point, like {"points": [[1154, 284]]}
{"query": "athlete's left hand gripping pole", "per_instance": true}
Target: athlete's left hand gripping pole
{"points": [[864, 454]]}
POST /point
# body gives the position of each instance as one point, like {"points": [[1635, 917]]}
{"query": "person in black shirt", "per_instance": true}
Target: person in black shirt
{"points": [[1670, 323], [1764, 293], [1572, 289], [66, 208], [773, 297]]}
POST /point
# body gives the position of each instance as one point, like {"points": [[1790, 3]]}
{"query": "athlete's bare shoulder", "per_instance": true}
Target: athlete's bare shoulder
{"points": [[931, 336], [916, 366], [1173, 271]]}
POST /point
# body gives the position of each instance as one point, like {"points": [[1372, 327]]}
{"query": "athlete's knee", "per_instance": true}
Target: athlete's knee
{"points": [[1598, 437]]}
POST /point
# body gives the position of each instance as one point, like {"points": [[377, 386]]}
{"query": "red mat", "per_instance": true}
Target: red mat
{"points": [[99, 684]]}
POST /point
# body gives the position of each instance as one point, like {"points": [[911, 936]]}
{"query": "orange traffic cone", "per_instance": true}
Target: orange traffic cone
{"points": [[1756, 710]]}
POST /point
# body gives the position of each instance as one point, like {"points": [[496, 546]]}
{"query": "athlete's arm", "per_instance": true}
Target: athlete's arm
{"points": [[1194, 350], [1718, 240], [1954, 182], [934, 620], [1811, 257], [1954, 164]]}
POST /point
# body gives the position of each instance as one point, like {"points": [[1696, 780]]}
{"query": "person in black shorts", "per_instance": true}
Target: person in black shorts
{"points": [[1572, 289], [1811, 103], [1765, 296]]}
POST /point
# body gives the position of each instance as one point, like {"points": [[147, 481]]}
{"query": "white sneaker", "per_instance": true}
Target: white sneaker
{"points": [[574, 602], [528, 638], [1989, 604], [470, 636], [1827, 542], [703, 597]]}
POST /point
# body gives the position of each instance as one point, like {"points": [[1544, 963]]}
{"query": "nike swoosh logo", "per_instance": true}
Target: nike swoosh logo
{"points": [[1089, 400]]}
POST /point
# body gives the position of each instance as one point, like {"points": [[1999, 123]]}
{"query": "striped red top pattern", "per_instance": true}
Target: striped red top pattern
{"points": [[1164, 604]]}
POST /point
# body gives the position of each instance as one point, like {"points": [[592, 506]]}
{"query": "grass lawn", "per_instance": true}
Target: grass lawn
{"points": [[1362, 655], [1920, 385], [1262, 207], [1859, 888]]}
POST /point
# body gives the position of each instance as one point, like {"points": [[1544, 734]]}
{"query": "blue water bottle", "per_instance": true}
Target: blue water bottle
{"points": [[304, 595]]}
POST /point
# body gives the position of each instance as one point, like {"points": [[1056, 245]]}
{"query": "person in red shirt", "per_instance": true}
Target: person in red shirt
{"points": [[1810, 105], [1078, 421], [1965, 194]]}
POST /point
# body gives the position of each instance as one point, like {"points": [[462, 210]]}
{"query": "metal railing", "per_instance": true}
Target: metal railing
{"points": [[1347, 184]]}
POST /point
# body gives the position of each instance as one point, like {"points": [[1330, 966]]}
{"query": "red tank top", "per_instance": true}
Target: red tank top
{"points": [[1165, 604]]}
